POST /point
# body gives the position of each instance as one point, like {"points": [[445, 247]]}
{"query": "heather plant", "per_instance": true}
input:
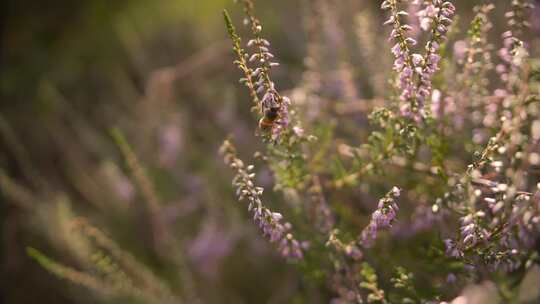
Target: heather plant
{"points": [[492, 205], [397, 163]]}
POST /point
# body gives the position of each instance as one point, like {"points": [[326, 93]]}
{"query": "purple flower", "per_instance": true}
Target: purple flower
{"points": [[381, 218], [452, 250]]}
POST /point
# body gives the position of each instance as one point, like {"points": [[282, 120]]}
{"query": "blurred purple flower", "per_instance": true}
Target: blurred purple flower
{"points": [[209, 248], [170, 144]]}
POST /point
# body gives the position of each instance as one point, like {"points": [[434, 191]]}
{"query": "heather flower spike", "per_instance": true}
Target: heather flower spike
{"points": [[269, 222], [273, 107], [474, 54], [382, 218], [415, 71], [514, 51], [443, 12], [403, 63], [241, 62]]}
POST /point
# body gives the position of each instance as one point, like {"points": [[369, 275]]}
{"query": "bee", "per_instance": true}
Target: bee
{"points": [[269, 119]]}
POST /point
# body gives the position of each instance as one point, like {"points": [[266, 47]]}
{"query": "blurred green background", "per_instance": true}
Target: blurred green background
{"points": [[160, 71]]}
